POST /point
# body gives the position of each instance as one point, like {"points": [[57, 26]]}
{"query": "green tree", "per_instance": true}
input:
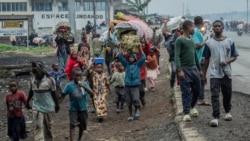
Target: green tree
{"points": [[139, 6]]}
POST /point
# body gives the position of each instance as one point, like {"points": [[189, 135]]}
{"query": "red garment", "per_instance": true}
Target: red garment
{"points": [[152, 62], [146, 50], [71, 64], [14, 104]]}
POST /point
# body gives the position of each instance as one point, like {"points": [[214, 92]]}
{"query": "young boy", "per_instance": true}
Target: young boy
{"points": [[16, 121], [189, 70], [57, 75], [133, 81], [118, 80], [78, 110]]}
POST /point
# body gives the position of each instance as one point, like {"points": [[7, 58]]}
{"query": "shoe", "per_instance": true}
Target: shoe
{"points": [[93, 110], [186, 118], [228, 117], [137, 113], [194, 112], [130, 118], [214, 122], [145, 89], [118, 111]]}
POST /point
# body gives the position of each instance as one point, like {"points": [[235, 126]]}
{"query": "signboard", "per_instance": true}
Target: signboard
{"points": [[50, 19], [13, 31], [13, 27]]}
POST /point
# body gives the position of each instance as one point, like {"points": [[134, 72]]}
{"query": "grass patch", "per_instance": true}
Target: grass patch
{"points": [[26, 50]]}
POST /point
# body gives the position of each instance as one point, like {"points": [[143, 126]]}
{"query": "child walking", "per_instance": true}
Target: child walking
{"points": [[132, 82], [72, 63], [152, 67], [78, 111], [101, 87], [57, 75], [118, 80], [16, 121]]}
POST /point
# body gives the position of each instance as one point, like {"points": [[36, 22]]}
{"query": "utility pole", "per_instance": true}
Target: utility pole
{"points": [[247, 11], [94, 13], [72, 15], [183, 9]]}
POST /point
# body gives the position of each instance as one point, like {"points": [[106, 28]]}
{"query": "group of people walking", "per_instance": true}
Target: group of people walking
{"points": [[190, 57], [84, 68]]}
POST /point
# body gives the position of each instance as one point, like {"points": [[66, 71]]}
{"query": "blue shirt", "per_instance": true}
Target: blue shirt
{"points": [[198, 39], [78, 98], [57, 75]]}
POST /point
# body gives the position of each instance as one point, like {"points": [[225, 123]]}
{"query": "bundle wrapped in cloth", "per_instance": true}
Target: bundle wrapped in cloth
{"points": [[63, 30], [130, 43]]}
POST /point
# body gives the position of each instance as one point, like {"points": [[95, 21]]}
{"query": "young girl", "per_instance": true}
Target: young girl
{"points": [[73, 62], [16, 121], [101, 88], [118, 80], [152, 67]]}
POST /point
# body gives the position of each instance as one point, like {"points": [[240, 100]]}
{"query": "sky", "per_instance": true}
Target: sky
{"points": [[196, 7]]}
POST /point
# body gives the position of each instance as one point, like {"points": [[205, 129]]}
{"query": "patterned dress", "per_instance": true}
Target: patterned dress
{"points": [[100, 89]]}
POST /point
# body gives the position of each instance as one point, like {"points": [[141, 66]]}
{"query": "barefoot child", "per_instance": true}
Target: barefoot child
{"points": [[16, 121], [78, 111], [132, 81], [118, 80], [101, 88]]}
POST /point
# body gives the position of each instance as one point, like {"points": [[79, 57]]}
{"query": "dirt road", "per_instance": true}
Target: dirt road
{"points": [[156, 122]]}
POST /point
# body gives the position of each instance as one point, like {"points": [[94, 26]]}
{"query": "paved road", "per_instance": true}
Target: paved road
{"points": [[241, 68]]}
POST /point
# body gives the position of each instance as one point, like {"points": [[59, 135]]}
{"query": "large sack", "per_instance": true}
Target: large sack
{"points": [[130, 43], [63, 30], [142, 28], [174, 23]]}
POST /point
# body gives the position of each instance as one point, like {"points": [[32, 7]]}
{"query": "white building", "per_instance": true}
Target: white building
{"points": [[48, 13], [21, 17]]}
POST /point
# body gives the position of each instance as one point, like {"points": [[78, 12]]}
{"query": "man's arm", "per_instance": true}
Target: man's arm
{"points": [[177, 51], [234, 55], [55, 98], [54, 94], [206, 55], [143, 57], [197, 61], [29, 97]]}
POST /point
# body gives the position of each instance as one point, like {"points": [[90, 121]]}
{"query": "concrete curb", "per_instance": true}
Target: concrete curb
{"points": [[187, 133]]}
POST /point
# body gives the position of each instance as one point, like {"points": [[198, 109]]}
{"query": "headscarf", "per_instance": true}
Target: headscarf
{"points": [[40, 65]]}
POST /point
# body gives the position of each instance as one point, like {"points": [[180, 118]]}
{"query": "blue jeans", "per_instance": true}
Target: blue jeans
{"points": [[62, 57], [190, 88]]}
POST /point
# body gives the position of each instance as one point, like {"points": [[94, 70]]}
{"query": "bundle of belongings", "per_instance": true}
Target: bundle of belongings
{"points": [[63, 30]]}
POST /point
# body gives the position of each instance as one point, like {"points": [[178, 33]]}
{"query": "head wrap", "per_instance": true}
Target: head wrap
{"points": [[40, 65]]}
